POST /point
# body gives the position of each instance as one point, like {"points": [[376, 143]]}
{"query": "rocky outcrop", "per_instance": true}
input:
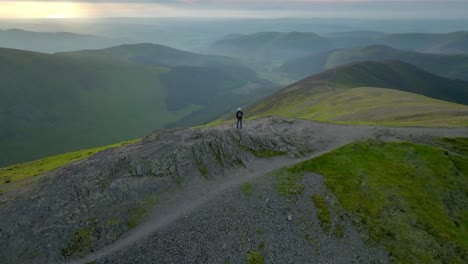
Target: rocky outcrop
{"points": [[85, 206]]}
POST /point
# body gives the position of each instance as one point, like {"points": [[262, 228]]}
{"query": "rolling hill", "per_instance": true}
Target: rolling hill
{"points": [[447, 65], [154, 54], [50, 42], [445, 43], [387, 93], [51, 104], [271, 46]]}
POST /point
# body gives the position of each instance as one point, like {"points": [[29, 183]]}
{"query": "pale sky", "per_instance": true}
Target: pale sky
{"points": [[438, 9]]}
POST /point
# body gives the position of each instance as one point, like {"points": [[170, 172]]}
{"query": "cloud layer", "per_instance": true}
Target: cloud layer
{"points": [[238, 8]]}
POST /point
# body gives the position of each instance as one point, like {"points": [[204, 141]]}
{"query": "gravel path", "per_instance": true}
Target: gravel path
{"points": [[281, 229]]}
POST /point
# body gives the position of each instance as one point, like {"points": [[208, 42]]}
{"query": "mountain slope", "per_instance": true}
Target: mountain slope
{"points": [[175, 187], [270, 46], [345, 94], [49, 42], [51, 104], [450, 66]]}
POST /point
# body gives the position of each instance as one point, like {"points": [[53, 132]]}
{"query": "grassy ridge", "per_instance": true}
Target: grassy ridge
{"points": [[370, 106], [14, 176], [451, 66], [346, 94], [411, 198]]}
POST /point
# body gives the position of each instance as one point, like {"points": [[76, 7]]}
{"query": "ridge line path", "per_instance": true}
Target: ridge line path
{"points": [[175, 205]]}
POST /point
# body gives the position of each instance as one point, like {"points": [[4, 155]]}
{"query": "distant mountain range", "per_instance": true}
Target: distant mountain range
{"points": [[50, 42], [448, 65], [51, 104], [385, 93], [446, 43], [271, 46]]}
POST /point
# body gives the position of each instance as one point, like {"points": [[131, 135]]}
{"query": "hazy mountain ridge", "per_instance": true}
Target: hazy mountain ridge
{"points": [[454, 66], [155, 54], [51, 42], [271, 45], [444, 43]]}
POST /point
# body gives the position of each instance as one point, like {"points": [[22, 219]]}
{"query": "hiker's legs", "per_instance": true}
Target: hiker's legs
{"points": [[239, 122]]}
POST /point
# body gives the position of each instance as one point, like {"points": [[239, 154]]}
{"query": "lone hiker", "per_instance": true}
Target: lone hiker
{"points": [[239, 116]]}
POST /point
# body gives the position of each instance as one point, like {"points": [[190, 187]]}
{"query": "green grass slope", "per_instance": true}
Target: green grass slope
{"points": [[15, 176], [367, 105], [410, 198], [51, 104], [397, 75], [353, 94], [450, 66]]}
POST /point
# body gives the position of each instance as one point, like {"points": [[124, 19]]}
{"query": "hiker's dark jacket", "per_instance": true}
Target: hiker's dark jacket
{"points": [[239, 114]]}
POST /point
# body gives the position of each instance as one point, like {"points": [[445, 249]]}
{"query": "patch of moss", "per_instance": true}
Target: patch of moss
{"points": [[323, 212], [135, 216], [263, 153], [81, 242], [113, 221], [338, 231], [247, 188], [203, 170], [260, 231], [407, 196], [458, 145], [138, 213], [288, 183], [254, 257]]}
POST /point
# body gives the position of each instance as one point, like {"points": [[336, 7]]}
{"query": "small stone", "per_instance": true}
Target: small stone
{"points": [[139, 171], [289, 217]]}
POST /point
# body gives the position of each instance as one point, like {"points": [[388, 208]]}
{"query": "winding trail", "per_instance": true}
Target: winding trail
{"points": [[175, 205]]}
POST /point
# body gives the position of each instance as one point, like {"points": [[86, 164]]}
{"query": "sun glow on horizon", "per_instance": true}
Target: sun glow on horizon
{"points": [[36, 9]]}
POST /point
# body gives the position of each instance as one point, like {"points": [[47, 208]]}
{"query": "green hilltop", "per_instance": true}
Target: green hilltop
{"points": [[385, 93]]}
